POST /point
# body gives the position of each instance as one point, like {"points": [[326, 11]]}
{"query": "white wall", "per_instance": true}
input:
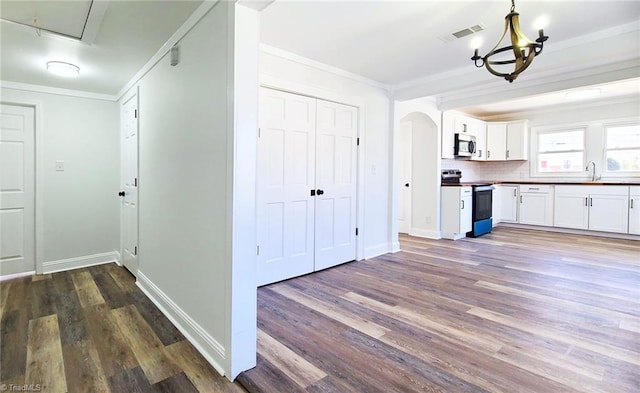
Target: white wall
{"points": [[197, 161], [288, 72], [80, 206], [421, 111]]}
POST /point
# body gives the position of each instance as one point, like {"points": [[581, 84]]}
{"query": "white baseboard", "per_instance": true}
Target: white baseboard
{"points": [[395, 247], [211, 349], [16, 275], [78, 262], [426, 233], [611, 235], [377, 250]]}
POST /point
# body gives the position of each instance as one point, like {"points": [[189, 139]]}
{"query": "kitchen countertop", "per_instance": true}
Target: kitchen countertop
{"points": [[548, 182]]}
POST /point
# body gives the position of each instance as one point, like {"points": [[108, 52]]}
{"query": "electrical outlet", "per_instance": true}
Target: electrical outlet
{"points": [[59, 166]]}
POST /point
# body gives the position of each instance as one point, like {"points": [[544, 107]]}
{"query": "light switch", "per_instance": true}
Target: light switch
{"points": [[59, 166]]}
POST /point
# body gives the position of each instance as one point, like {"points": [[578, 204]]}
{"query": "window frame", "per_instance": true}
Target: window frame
{"points": [[535, 152], [605, 127]]}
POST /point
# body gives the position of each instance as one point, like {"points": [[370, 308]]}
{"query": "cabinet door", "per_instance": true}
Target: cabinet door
{"points": [[634, 214], [536, 209], [609, 213], [466, 216], [480, 128], [571, 208], [496, 142], [508, 208], [517, 138]]}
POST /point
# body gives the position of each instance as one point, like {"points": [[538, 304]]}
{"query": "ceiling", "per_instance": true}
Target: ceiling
{"points": [[396, 44], [128, 35]]}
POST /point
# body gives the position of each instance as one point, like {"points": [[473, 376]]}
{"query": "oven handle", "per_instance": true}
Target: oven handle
{"points": [[483, 188]]}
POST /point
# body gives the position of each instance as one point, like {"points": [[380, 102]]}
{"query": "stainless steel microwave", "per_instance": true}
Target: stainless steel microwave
{"points": [[464, 145]]}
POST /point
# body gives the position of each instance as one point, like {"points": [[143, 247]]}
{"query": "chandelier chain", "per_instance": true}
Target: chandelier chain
{"points": [[513, 5]]}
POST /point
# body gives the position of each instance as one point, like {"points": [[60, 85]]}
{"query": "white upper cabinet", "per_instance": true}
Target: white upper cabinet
{"points": [[496, 141], [518, 140], [480, 129]]}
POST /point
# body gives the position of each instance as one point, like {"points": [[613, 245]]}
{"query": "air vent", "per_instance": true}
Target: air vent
{"points": [[462, 33]]}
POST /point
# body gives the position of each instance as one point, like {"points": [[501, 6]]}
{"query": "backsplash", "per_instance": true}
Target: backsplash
{"points": [[489, 170]]}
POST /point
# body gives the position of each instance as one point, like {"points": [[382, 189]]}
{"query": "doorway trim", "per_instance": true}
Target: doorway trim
{"points": [[133, 94], [39, 181], [281, 84]]}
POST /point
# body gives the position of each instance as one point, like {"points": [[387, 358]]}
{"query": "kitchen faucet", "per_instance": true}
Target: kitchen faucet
{"points": [[593, 177]]}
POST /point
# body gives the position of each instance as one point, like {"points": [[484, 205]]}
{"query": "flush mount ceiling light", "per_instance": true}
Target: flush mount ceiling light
{"points": [[520, 53], [63, 69]]}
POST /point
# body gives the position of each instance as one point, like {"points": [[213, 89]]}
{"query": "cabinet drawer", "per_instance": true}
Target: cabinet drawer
{"points": [[536, 188]]}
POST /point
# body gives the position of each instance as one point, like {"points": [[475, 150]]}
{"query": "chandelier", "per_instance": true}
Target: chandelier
{"points": [[520, 53]]}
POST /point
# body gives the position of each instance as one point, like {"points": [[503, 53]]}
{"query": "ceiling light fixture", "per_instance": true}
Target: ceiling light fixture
{"points": [[522, 48], [63, 69]]}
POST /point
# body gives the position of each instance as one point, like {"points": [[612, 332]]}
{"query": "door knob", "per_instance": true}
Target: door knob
{"points": [[406, 185], [320, 192], [121, 193]]}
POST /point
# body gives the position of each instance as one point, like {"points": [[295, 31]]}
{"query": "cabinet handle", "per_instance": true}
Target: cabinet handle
{"points": [[533, 188], [632, 203], [479, 153], [520, 198], [586, 201], [515, 193], [590, 201], [462, 208]]}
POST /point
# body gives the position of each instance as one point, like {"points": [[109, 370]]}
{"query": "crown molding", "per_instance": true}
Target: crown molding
{"points": [[57, 91], [271, 50]]}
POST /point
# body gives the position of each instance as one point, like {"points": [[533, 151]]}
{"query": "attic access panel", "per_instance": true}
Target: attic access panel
{"points": [[67, 18]]}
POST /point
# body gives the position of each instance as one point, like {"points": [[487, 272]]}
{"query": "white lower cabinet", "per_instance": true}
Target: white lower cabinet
{"points": [[536, 205], [456, 212], [506, 207], [597, 208], [634, 210]]}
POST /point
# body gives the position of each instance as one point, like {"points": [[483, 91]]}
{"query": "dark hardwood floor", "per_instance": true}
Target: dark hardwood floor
{"points": [[93, 330], [513, 311]]}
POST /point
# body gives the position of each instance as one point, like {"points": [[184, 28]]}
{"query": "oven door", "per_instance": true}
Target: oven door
{"points": [[482, 203]]}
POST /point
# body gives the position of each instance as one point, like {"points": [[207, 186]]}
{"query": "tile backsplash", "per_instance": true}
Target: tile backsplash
{"points": [[489, 170]]}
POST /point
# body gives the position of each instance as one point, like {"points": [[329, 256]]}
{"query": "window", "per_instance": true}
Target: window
{"points": [[623, 148], [561, 151]]}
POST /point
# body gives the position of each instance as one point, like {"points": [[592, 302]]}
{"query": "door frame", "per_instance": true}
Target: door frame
{"points": [[39, 180], [407, 136], [131, 95], [277, 83]]}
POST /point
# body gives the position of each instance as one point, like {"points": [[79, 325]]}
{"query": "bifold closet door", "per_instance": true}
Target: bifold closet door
{"points": [[306, 185], [336, 177], [286, 175]]}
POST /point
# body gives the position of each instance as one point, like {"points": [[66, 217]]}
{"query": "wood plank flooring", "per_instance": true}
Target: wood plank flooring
{"points": [[512, 311], [93, 330]]}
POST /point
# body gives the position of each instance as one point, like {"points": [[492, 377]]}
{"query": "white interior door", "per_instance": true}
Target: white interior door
{"points": [[336, 176], [286, 176], [130, 185], [17, 179], [404, 190]]}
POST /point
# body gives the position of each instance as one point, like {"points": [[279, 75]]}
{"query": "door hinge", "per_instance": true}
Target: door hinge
{"points": [[357, 141], [135, 250], [135, 113], [356, 231], [257, 250]]}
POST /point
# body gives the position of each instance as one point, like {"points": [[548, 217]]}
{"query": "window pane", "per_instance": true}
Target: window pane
{"points": [[623, 160], [561, 141], [560, 162], [623, 137]]}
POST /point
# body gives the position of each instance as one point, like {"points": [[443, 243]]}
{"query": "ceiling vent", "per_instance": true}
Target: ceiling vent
{"points": [[462, 33]]}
